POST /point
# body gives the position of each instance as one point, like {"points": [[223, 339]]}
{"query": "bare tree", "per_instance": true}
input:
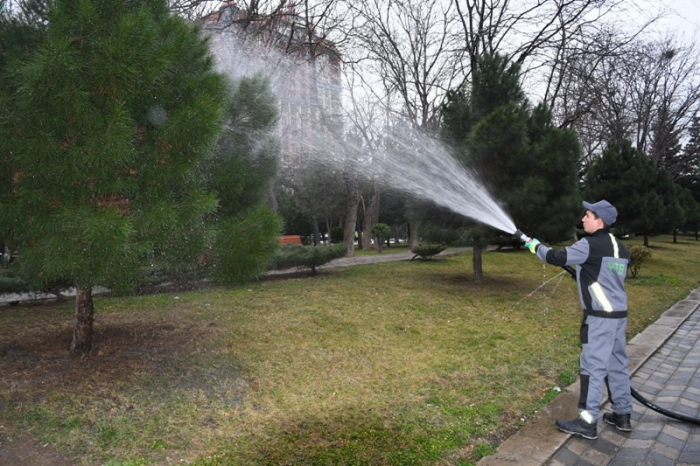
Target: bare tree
{"points": [[530, 33], [666, 91], [295, 26], [405, 57], [630, 89], [408, 46]]}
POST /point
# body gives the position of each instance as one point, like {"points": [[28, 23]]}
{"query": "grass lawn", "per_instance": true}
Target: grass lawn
{"points": [[395, 363]]}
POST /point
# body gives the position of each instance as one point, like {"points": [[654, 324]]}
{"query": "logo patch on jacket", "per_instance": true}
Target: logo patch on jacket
{"points": [[619, 268]]}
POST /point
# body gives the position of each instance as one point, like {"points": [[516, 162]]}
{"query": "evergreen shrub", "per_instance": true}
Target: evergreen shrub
{"points": [[246, 245], [182, 276], [638, 255], [11, 283], [382, 232], [427, 251], [294, 255]]}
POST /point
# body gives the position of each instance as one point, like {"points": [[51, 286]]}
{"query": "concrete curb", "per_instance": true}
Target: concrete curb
{"points": [[539, 440], [11, 298]]}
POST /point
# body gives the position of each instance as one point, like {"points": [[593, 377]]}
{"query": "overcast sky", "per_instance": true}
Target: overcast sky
{"points": [[682, 17]]}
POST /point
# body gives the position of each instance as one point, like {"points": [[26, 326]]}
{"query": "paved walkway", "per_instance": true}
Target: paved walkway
{"points": [[671, 380], [665, 363], [386, 256]]}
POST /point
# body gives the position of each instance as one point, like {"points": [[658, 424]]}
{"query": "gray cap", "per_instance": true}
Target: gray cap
{"points": [[604, 210]]}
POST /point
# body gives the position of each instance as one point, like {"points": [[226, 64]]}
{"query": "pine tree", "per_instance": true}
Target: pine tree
{"points": [[242, 168], [665, 147], [18, 36], [629, 180], [113, 112], [691, 209], [527, 163], [690, 176]]}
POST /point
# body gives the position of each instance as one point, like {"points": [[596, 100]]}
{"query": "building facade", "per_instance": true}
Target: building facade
{"points": [[304, 70]]}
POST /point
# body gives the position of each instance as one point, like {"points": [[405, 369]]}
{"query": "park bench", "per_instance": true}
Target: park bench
{"points": [[290, 239]]}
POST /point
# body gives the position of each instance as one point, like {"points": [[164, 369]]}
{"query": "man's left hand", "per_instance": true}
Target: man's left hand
{"points": [[532, 245]]}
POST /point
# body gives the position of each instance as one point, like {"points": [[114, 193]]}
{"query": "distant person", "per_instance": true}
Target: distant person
{"points": [[602, 263]]}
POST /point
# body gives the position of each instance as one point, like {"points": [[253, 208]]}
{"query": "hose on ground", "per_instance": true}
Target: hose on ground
{"points": [[665, 412]]}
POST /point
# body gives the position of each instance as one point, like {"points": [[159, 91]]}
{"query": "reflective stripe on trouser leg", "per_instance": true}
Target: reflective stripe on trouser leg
{"points": [[618, 372], [595, 358]]}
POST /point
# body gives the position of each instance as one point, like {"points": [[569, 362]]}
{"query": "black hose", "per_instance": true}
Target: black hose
{"points": [[571, 271], [659, 409]]}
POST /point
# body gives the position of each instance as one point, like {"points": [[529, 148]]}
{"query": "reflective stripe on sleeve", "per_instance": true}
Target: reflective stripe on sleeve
{"points": [[615, 246]]}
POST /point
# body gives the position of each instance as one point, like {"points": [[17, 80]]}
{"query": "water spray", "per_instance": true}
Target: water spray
{"points": [[413, 162], [635, 394]]}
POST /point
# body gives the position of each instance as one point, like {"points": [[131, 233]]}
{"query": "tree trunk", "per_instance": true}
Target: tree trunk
{"points": [[353, 190], [272, 199], [359, 232], [413, 239], [675, 236], [366, 239], [476, 263], [84, 313], [646, 240], [371, 218], [317, 231]]}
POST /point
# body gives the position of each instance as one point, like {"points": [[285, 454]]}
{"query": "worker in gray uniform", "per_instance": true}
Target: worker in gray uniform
{"points": [[602, 263]]}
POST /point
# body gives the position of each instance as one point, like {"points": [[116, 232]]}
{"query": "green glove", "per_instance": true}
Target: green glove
{"points": [[532, 245]]}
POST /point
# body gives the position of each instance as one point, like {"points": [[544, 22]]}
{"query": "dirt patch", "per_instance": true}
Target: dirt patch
{"points": [[38, 363], [120, 351], [21, 448]]}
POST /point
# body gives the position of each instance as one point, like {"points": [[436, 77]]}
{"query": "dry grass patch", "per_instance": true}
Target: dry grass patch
{"points": [[397, 363]]}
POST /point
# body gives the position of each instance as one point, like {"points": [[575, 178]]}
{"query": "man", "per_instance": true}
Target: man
{"points": [[602, 267]]}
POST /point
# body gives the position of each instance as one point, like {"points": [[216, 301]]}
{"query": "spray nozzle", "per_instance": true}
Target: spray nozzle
{"points": [[522, 236], [526, 239]]}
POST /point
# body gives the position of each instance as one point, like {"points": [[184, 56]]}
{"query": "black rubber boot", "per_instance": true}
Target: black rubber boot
{"points": [[620, 421], [579, 427]]}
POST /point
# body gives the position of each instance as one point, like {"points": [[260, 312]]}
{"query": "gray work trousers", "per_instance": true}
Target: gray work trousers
{"points": [[603, 359]]}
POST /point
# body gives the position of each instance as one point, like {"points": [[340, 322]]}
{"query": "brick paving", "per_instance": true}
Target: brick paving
{"points": [[664, 361], [670, 378]]}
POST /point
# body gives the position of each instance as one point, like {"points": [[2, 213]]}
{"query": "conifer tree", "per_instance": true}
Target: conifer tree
{"points": [[629, 180], [104, 135], [691, 209], [690, 176], [242, 168], [665, 148], [527, 163]]}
